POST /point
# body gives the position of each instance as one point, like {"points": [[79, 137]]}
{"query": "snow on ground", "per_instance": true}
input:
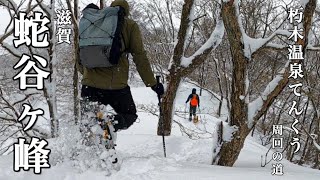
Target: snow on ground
{"points": [[141, 154]]}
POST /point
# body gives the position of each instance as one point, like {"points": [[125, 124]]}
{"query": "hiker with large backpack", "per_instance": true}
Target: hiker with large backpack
{"points": [[106, 37], [194, 102]]}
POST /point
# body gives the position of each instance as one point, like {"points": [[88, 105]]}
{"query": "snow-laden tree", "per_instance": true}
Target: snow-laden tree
{"points": [[74, 9], [244, 111], [49, 53], [180, 65]]}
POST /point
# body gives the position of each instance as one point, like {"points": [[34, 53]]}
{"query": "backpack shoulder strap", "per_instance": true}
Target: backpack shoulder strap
{"points": [[117, 43], [120, 21], [125, 50], [121, 16]]}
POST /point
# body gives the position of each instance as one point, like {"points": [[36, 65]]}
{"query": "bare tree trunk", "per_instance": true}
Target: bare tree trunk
{"points": [[76, 57], [220, 86], [177, 71], [50, 93], [201, 78], [219, 143], [170, 17], [227, 87], [239, 108], [102, 4], [49, 90], [76, 102], [167, 105], [306, 145], [173, 79], [317, 132], [53, 127]]}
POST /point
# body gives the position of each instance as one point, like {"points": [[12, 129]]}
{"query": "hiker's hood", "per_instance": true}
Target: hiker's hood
{"points": [[194, 91], [122, 3]]}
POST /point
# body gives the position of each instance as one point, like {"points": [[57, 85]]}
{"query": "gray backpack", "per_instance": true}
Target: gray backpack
{"points": [[99, 34]]}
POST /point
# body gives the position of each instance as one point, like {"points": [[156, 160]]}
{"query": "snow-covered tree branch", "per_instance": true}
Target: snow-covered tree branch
{"points": [[180, 66], [243, 113]]}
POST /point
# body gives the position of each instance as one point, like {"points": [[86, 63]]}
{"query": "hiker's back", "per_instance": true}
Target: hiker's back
{"points": [[194, 100], [116, 77], [96, 25], [99, 34]]}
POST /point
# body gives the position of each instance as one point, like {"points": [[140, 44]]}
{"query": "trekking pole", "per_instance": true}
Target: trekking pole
{"points": [[185, 111], [161, 120]]}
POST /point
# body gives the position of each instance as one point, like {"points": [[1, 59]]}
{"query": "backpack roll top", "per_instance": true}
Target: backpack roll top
{"points": [[99, 37], [97, 27]]}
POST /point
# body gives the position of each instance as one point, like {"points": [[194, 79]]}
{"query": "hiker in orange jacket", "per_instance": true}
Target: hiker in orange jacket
{"points": [[194, 102]]}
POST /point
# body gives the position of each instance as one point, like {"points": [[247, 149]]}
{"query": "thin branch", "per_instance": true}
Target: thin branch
{"points": [[208, 90], [45, 8], [313, 137]]}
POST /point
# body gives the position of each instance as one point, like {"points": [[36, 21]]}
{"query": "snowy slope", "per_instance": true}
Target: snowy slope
{"points": [[141, 153]]}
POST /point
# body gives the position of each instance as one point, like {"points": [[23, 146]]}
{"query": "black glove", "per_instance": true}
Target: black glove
{"points": [[158, 88]]}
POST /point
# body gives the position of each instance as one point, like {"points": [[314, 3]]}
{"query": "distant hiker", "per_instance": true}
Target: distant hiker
{"points": [[105, 68], [194, 102]]}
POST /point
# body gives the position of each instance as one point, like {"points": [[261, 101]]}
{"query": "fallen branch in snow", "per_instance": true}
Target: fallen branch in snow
{"points": [[192, 134], [152, 109]]}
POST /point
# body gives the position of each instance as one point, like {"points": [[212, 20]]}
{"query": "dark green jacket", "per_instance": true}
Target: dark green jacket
{"points": [[116, 77]]}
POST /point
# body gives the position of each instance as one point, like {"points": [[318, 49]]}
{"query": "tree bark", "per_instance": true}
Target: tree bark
{"points": [[76, 59], [239, 108], [50, 93], [102, 4], [173, 79], [164, 125], [76, 101], [176, 70]]}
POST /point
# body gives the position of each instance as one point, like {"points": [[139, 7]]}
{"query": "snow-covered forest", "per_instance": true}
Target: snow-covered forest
{"points": [[254, 63]]}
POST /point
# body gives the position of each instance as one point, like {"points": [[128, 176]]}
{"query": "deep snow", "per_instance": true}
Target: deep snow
{"points": [[141, 154]]}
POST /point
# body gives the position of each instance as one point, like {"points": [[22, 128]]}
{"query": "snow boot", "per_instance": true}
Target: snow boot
{"points": [[109, 135]]}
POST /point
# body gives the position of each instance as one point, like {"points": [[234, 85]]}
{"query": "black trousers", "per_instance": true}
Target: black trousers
{"points": [[120, 100], [192, 110]]}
